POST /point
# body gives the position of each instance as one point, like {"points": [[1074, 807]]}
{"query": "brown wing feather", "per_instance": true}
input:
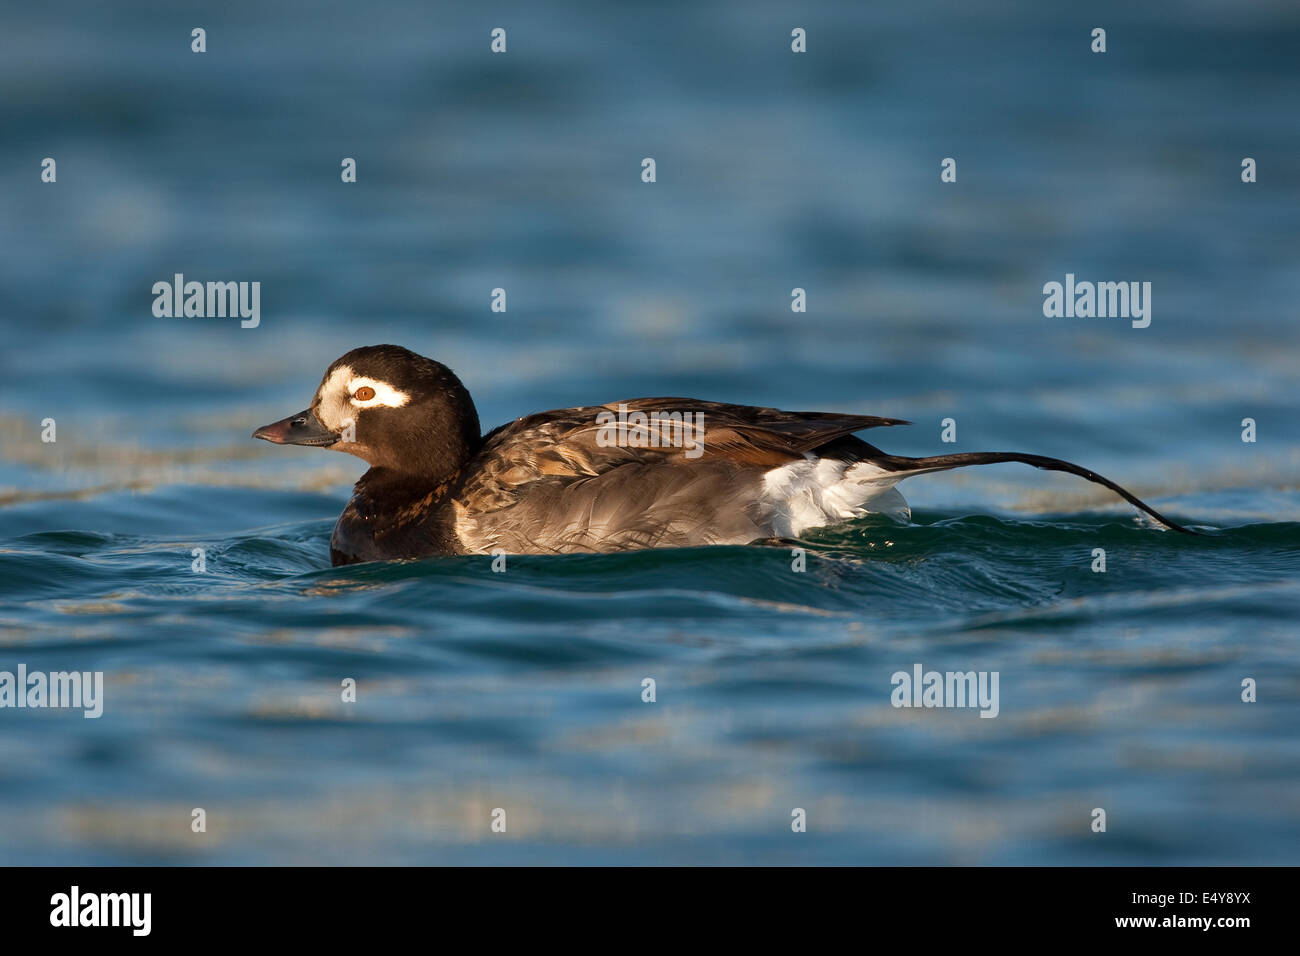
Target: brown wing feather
{"points": [[790, 432], [562, 444]]}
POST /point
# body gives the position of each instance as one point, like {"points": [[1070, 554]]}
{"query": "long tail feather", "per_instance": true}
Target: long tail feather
{"points": [[962, 459]]}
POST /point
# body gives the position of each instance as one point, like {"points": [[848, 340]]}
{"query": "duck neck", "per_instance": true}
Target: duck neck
{"points": [[400, 489]]}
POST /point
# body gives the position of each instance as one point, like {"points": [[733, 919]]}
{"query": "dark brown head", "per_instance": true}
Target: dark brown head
{"points": [[399, 411]]}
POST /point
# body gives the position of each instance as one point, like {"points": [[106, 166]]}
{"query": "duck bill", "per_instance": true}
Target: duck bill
{"points": [[301, 429]]}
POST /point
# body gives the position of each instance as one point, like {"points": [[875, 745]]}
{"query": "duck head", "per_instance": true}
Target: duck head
{"points": [[400, 412]]}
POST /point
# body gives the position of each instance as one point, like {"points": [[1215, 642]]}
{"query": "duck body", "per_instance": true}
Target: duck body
{"points": [[630, 475], [545, 484]]}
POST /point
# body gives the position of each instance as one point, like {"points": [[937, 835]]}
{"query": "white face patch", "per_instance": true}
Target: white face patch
{"points": [[384, 395], [337, 404]]}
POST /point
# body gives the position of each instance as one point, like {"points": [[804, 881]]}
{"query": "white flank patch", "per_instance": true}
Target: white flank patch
{"points": [[821, 491], [335, 403]]}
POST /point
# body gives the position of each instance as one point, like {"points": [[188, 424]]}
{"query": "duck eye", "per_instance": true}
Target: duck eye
{"points": [[364, 394]]}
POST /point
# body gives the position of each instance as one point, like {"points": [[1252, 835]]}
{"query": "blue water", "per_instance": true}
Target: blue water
{"points": [[522, 690]]}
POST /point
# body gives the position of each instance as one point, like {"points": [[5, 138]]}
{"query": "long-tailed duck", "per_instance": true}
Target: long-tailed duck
{"points": [[642, 473]]}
